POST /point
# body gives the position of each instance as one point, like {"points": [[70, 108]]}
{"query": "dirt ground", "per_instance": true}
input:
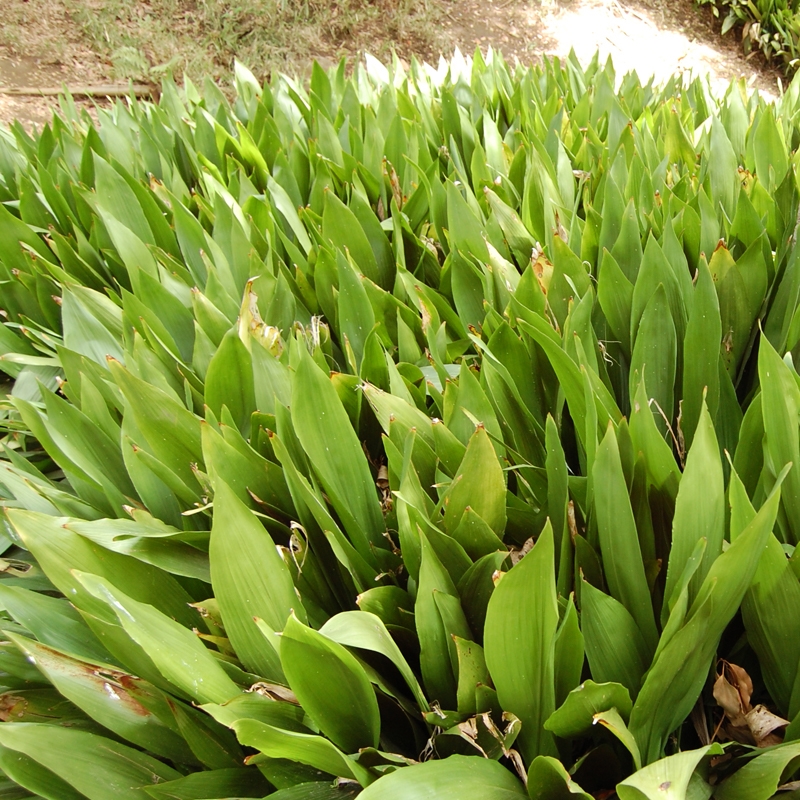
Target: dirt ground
{"points": [[41, 47]]}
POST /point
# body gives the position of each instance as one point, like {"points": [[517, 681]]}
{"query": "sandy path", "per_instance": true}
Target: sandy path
{"points": [[653, 37]]}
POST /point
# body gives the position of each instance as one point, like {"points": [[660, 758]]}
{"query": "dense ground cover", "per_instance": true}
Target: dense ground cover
{"points": [[444, 417], [769, 26]]}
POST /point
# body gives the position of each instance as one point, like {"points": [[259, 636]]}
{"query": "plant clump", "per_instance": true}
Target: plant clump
{"points": [[411, 434], [769, 26]]}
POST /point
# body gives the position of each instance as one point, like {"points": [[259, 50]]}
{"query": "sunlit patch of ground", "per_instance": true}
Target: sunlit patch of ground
{"points": [[636, 39]]}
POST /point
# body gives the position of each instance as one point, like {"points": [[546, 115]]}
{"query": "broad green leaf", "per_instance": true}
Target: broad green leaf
{"points": [[241, 782], [366, 631], [313, 665], [230, 458], [699, 509], [615, 647], [472, 672], [315, 751], [229, 381], [619, 542], [326, 435], [250, 580], [548, 780], [119, 200], [265, 708], [768, 611], [463, 226], [52, 621], [654, 354], [479, 485], [476, 587], [59, 550], [569, 652], [723, 167], [701, 354], [769, 151], [314, 790], [170, 430], [678, 674], [176, 651], [122, 703], [159, 546], [615, 295], [576, 715], [438, 657], [612, 721], [758, 779], [93, 765], [447, 779], [667, 779], [341, 227], [780, 402], [521, 623], [31, 775]]}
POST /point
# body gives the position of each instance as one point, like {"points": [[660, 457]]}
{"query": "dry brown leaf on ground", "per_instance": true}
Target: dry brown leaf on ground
{"points": [[742, 722]]}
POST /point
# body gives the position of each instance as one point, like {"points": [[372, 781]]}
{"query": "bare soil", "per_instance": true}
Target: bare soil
{"points": [[42, 45]]}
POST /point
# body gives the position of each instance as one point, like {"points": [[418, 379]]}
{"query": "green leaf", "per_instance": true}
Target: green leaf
{"points": [[176, 651], [438, 657], [356, 317], [548, 780], [667, 779], [250, 581], [59, 550], [52, 621], [722, 167], [447, 779], [118, 199], [464, 227], [314, 664], [366, 631], [654, 354], [472, 672], [615, 647], [326, 435], [171, 431], [95, 766], [341, 227], [576, 716], [479, 486], [769, 151], [234, 782], [699, 510], [615, 295], [613, 722], [521, 623], [569, 654], [758, 779], [315, 751], [122, 703], [701, 354], [780, 403], [315, 790], [680, 669], [29, 774], [231, 459], [773, 627], [229, 381], [619, 541]]}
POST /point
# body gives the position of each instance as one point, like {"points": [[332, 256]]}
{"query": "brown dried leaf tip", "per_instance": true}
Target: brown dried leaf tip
{"points": [[741, 721]]}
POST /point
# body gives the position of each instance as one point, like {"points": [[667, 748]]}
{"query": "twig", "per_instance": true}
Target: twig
{"points": [[137, 90]]}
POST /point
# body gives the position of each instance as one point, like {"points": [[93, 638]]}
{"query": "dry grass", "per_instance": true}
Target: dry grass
{"points": [[148, 40]]}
